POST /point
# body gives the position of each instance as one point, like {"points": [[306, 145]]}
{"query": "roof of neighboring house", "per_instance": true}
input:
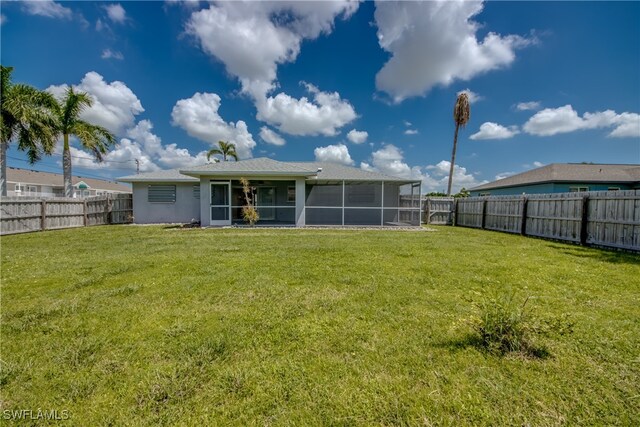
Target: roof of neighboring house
{"points": [[569, 172], [263, 166], [27, 176]]}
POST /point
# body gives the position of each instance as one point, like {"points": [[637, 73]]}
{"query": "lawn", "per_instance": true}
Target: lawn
{"points": [[127, 325]]}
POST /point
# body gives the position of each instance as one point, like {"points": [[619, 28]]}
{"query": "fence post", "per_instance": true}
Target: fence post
{"points": [[43, 215], [109, 208], [484, 213], [84, 211], [523, 223], [454, 212], [583, 221], [426, 211]]}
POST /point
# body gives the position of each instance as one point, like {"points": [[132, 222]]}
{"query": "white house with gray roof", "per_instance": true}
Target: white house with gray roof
{"points": [[286, 194]]}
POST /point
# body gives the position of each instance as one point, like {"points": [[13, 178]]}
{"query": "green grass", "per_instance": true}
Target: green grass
{"points": [[152, 326]]}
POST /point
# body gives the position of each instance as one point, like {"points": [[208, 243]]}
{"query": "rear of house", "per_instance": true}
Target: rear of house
{"points": [[286, 194], [564, 178]]}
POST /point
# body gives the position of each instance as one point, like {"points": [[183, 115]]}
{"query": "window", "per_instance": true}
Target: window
{"points": [[578, 189], [291, 194], [196, 191], [162, 194], [613, 189]]}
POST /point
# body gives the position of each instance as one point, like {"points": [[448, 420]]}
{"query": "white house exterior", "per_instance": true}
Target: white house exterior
{"points": [[286, 193], [31, 183]]}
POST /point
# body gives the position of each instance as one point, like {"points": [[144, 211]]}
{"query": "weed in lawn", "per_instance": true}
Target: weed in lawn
{"points": [[504, 326]]}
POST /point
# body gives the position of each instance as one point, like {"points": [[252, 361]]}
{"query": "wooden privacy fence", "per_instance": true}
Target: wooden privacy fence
{"points": [[22, 215], [601, 218], [438, 210]]}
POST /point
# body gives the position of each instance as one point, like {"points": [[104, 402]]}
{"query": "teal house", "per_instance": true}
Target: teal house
{"points": [[565, 178]]}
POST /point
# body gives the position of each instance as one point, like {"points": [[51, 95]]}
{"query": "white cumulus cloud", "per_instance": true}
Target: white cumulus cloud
{"points": [[525, 106], [490, 130], [145, 146], [553, 121], [47, 8], [111, 54], [252, 38], [115, 106], [411, 132], [357, 136], [434, 43], [116, 13], [199, 117], [322, 115], [338, 153], [389, 160], [270, 137]]}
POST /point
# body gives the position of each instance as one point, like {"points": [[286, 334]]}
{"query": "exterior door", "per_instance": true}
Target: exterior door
{"points": [[266, 203], [220, 203]]}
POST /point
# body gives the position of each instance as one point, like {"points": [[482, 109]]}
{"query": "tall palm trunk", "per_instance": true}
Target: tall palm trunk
{"points": [[3, 168], [453, 159], [66, 168], [224, 156]]}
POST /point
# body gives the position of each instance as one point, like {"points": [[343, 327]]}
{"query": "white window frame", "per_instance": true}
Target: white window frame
{"points": [[578, 189]]}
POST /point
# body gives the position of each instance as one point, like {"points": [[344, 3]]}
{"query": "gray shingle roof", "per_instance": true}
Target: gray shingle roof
{"points": [[259, 166], [266, 166], [171, 175], [569, 172], [26, 176], [336, 172]]}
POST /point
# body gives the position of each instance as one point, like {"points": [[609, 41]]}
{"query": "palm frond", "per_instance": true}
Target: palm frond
{"points": [[73, 104], [94, 139], [213, 152]]}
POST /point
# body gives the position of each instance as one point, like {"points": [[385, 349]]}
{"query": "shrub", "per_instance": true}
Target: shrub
{"points": [[249, 211]]}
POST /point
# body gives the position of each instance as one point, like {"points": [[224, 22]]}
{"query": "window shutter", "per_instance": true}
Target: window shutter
{"points": [[162, 194]]}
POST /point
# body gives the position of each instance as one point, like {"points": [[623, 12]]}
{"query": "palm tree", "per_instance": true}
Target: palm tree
{"points": [[93, 138], [461, 114], [28, 116], [226, 149]]}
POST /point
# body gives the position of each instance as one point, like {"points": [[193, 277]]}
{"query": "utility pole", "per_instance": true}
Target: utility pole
{"points": [[137, 166]]}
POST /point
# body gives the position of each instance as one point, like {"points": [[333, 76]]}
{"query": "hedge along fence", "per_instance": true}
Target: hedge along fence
{"points": [[22, 215], [601, 218]]}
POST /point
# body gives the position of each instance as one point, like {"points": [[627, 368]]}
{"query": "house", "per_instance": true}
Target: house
{"points": [[565, 178], [31, 183], [286, 193]]}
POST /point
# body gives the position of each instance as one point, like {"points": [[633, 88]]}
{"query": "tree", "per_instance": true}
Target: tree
{"points": [[28, 116], [226, 149], [93, 138], [461, 114]]}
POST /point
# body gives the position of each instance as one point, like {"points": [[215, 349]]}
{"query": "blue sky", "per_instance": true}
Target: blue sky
{"points": [[365, 84]]}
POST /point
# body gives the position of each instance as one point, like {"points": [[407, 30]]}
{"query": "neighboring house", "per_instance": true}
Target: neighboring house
{"points": [[30, 183], [564, 178], [286, 193]]}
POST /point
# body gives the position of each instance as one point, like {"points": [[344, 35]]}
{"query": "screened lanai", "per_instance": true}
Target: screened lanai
{"points": [[363, 203]]}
